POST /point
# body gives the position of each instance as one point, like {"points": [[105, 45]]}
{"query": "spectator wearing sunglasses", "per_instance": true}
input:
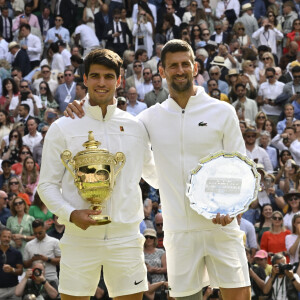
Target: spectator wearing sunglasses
{"points": [[273, 241], [4, 177], [155, 258], [292, 198], [158, 222], [4, 211]]}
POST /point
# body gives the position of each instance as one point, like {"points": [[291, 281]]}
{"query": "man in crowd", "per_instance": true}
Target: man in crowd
{"points": [[212, 84], [43, 248], [134, 106], [30, 18], [5, 176], [38, 147], [249, 104], [215, 73], [35, 283], [6, 24], [81, 90], [65, 53], [66, 92], [4, 211], [158, 222], [20, 58], [158, 94], [11, 266], [137, 78], [32, 44], [25, 97], [33, 137], [291, 90], [46, 76], [267, 93], [139, 56], [146, 86]]}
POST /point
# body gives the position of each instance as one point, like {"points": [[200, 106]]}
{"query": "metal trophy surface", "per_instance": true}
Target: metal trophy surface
{"points": [[94, 171], [223, 182]]}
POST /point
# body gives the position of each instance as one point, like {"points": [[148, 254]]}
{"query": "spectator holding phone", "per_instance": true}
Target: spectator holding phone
{"points": [[35, 283]]}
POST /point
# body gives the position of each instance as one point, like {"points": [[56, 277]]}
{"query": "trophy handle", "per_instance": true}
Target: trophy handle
{"points": [[66, 158], [120, 159]]}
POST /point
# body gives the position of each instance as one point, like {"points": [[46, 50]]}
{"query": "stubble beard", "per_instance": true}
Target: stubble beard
{"points": [[182, 88]]}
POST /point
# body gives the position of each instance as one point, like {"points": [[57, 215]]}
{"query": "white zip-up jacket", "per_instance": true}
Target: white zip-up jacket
{"points": [[179, 139], [117, 132]]}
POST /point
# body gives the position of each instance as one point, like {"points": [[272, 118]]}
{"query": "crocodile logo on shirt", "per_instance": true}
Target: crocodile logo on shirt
{"points": [[202, 124]]}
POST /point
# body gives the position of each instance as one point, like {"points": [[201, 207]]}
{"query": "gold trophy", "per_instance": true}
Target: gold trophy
{"points": [[94, 171]]}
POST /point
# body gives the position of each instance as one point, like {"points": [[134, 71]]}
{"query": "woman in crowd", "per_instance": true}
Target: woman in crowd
{"points": [[260, 119], [240, 35], [11, 150], [232, 80], [5, 125], [39, 210], [155, 258], [270, 127], [92, 7], [269, 62], [291, 177], [293, 201], [188, 15], [47, 98], [248, 70], [9, 90], [15, 186], [284, 156], [202, 75], [273, 20], [243, 126], [273, 241], [292, 241], [20, 223], [294, 35], [23, 153], [265, 221], [288, 120], [48, 59], [30, 177], [195, 36], [142, 31]]}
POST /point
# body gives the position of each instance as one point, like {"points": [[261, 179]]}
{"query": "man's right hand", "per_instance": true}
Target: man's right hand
{"points": [[74, 107], [81, 218]]}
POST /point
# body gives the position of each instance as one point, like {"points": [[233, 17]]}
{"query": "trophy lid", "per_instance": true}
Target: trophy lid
{"points": [[92, 145]]}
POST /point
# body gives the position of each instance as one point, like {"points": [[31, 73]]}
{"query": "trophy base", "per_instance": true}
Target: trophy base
{"points": [[101, 219]]}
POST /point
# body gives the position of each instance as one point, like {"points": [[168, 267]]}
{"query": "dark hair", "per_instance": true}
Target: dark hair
{"points": [[81, 84], [48, 91], [275, 19], [26, 106], [76, 59], [45, 66], [261, 217], [139, 52], [208, 81], [270, 70], [54, 47], [285, 151], [103, 57], [264, 48], [28, 4], [37, 223], [7, 117], [290, 127], [27, 26], [156, 75], [26, 177], [174, 46], [274, 129], [169, 18], [238, 85], [20, 141], [21, 149], [4, 83], [296, 69], [293, 26]]}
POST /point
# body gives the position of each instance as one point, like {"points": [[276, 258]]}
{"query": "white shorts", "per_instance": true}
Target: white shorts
{"points": [[123, 264], [199, 258]]}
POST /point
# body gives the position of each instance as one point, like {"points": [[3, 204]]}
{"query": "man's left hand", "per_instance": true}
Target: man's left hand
{"points": [[223, 220]]}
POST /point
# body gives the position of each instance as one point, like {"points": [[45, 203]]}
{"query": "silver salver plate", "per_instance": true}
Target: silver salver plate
{"points": [[223, 182]]}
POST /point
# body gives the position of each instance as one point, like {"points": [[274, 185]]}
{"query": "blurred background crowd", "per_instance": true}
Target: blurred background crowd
{"points": [[247, 55]]}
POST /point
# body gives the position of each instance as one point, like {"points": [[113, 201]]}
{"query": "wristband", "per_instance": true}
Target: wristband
{"points": [[44, 282]]}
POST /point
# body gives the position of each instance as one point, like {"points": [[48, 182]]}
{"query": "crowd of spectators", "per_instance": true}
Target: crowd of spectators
{"points": [[247, 54]]}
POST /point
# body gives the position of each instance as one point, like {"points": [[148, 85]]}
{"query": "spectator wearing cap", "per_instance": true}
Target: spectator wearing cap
{"points": [[65, 53], [250, 105], [261, 259], [20, 58], [158, 94], [292, 241], [215, 73], [6, 175], [219, 61], [121, 103], [248, 20], [155, 258], [292, 198], [257, 277], [255, 152]]}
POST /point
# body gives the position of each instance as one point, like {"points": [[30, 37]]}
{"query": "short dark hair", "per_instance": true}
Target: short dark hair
{"points": [[270, 70], [156, 75], [27, 26], [174, 46], [103, 57], [240, 84], [296, 69], [290, 127], [54, 47], [26, 106], [37, 223], [81, 84], [139, 52], [208, 81]]}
